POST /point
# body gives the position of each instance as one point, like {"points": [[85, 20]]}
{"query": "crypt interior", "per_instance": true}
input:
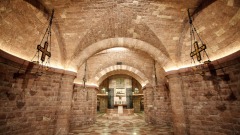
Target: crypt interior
{"points": [[122, 67]]}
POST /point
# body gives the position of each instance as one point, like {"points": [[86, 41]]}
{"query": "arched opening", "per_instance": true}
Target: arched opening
{"points": [[120, 95], [135, 44]]}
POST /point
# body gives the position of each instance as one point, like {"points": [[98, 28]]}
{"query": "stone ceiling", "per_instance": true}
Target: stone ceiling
{"points": [[82, 28]]}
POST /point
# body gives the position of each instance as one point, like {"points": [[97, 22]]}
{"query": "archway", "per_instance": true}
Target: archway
{"points": [[130, 43], [120, 95], [138, 81], [121, 69]]}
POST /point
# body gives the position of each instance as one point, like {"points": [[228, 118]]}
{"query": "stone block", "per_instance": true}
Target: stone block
{"points": [[3, 116]]}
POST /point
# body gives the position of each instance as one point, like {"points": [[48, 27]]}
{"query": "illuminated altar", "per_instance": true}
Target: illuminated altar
{"points": [[120, 95]]}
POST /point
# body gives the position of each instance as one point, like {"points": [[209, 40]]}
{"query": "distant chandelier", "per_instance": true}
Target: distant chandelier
{"points": [[195, 39]]}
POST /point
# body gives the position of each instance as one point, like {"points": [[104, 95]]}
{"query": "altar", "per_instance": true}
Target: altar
{"points": [[123, 111], [120, 96], [120, 107]]}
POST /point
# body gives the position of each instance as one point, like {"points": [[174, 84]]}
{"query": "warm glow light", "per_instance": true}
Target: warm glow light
{"points": [[182, 66], [87, 83], [52, 65], [71, 69], [216, 57], [170, 68], [57, 66], [116, 49], [232, 48], [144, 83], [16, 54], [229, 51]]}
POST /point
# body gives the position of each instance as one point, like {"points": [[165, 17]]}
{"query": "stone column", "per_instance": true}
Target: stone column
{"points": [[179, 123], [103, 104], [148, 104], [64, 105], [111, 98], [136, 104], [129, 98], [92, 105], [84, 107]]}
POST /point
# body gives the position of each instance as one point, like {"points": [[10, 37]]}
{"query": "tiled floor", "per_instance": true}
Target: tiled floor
{"points": [[122, 125]]}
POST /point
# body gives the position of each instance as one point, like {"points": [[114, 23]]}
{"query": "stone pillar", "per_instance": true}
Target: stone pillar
{"points": [[179, 123], [129, 98], [84, 106], [103, 104], [64, 105], [91, 108], [111, 98], [136, 104], [148, 103]]}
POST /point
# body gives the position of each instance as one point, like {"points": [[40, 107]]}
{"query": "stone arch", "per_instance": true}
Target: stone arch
{"points": [[116, 23], [121, 69], [130, 43]]}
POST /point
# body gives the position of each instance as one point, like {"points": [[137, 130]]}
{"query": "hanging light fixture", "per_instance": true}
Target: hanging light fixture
{"points": [[27, 74], [199, 48], [85, 76], [199, 52], [85, 80], [46, 42], [197, 43]]}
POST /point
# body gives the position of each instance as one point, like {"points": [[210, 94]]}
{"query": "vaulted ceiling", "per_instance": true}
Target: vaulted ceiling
{"points": [[159, 29]]}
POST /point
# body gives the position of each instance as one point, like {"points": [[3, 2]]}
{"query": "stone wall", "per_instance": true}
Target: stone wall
{"points": [[64, 105], [177, 102], [84, 106], [103, 104], [30, 104], [204, 114], [157, 102], [136, 104], [210, 107], [157, 105]]}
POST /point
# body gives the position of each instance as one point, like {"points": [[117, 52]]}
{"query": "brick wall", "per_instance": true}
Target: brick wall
{"points": [[203, 115], [218, 113], [64, 105], [157, 102], [84, 106], [136, 103], [30, 105], [157, 105], [103, 104]]}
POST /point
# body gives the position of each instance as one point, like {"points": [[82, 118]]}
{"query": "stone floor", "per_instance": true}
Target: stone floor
{"points": [[122, 125]]}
